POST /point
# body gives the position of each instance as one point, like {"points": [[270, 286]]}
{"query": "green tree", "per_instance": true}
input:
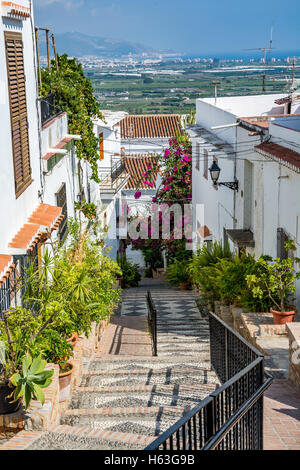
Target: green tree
{"points": [[74, 94]]}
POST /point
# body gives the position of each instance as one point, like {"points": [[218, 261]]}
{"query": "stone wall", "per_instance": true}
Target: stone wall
{"points": [[293, 330]]}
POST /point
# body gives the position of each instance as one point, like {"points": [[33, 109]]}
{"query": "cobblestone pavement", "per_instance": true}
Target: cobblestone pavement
{"points": [[282, 417], [128, 397]]}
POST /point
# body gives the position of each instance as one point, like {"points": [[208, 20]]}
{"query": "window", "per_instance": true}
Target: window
{"points": [[205, 164], [18, 111], [101, 146], [61, 201], [198, 156]]}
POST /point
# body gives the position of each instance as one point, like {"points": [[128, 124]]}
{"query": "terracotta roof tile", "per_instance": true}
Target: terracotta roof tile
{"points": [[25, 236], [204, 231], [45, 215], [150, 126], [283, 155], [136, 166], [30, 233], [59, 146], [5, 262]]}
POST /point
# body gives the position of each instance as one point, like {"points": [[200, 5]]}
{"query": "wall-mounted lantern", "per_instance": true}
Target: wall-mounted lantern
{"points": [[215, 171]]}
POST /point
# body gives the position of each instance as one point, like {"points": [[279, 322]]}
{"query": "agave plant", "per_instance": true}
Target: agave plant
{"points": [[31, 380]]}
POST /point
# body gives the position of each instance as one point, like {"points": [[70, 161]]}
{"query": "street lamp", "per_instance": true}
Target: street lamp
{"points": [[215, 171]]}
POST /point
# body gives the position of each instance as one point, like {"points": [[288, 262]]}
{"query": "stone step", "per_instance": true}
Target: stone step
{"points": [[132, 362], [64, 437], [164, 337], [147, 376], [178, 352], [151, 421], [185, 345], [140, 395]]}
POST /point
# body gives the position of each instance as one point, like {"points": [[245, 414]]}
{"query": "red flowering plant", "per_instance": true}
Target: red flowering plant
{"points": [[175, 168]]}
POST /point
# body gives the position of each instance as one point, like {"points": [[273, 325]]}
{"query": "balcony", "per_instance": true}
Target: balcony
{"points": [[49, 110], [114, 178]]}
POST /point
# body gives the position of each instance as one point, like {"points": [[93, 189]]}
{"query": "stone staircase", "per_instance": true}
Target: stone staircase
{"points": [[125, 401]]}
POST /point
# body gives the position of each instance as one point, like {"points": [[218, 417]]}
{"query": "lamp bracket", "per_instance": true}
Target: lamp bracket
{"points": [[234, 185]]}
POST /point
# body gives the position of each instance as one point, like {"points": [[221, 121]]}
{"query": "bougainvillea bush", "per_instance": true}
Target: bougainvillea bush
{"points": [[175, 168]]}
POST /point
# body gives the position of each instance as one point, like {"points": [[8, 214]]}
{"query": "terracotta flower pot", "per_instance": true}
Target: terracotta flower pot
{"points": [[281, 318], [7, 406], [65, 384], [183, 286], [73, 339]]}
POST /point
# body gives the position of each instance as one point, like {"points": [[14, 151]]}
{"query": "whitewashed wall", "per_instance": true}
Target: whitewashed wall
{"points": [[14, 212]]}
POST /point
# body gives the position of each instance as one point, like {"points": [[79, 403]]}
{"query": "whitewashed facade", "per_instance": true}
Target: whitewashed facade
{"points": [[265, 206]]}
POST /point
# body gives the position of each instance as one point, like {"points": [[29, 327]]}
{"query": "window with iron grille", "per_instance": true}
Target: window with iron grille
{"points": [[61, 201], [18, 111], [13, 289]]}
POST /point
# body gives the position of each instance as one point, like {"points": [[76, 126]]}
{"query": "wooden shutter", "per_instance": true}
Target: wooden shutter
{"points": [[18, 110], [101, 146]]}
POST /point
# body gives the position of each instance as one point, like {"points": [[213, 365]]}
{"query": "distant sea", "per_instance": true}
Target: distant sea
{"points": [[246, 55]]}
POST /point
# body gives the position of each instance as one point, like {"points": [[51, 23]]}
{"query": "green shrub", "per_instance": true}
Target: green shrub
{"points": [[177, 274], [31, 380], [201, 269], [275, 280], [130, 274]]}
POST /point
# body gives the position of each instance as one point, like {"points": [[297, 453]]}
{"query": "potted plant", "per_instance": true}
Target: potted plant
{"points": [[177, 274], [22, 370], [277, 279], [57, 350]]}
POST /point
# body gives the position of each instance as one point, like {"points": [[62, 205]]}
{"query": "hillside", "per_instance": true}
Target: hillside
{"points": [[77, 44]]}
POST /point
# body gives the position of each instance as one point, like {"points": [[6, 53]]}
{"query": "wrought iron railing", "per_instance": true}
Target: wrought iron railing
{"points": [[49, 110], [117, 170], [114, 177], [152, 322], [230, 418], [12, 290]]}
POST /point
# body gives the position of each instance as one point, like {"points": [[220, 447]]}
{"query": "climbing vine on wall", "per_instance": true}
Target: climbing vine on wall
{"points": [[74, 94]]}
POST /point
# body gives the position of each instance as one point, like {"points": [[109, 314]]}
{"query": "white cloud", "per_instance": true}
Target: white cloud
{"points": [[67, 4]]}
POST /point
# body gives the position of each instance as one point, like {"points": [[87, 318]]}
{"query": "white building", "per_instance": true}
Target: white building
{"points": [[112, 173], [37, 154], [261, 211]]}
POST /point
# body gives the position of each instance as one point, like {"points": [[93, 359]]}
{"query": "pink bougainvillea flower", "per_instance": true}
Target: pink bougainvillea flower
{"points": [[167, 153], [138, 194], [149, 167], [186, 158]]}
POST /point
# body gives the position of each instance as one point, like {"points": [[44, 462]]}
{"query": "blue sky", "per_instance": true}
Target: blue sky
{"points": [[191, 26]]}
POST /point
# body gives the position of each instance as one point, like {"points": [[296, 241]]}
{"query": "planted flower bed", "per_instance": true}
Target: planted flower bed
{"points": [[74, 295]]}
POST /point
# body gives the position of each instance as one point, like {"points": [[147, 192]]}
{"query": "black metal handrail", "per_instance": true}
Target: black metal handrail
{"points": [[152, 322], [230, 418], [117, 170], [49, 110]]}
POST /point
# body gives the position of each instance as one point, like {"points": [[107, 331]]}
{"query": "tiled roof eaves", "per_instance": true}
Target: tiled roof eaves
{"points": [[136, 166], [59, 146], [150, 126], [282, 155]]}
